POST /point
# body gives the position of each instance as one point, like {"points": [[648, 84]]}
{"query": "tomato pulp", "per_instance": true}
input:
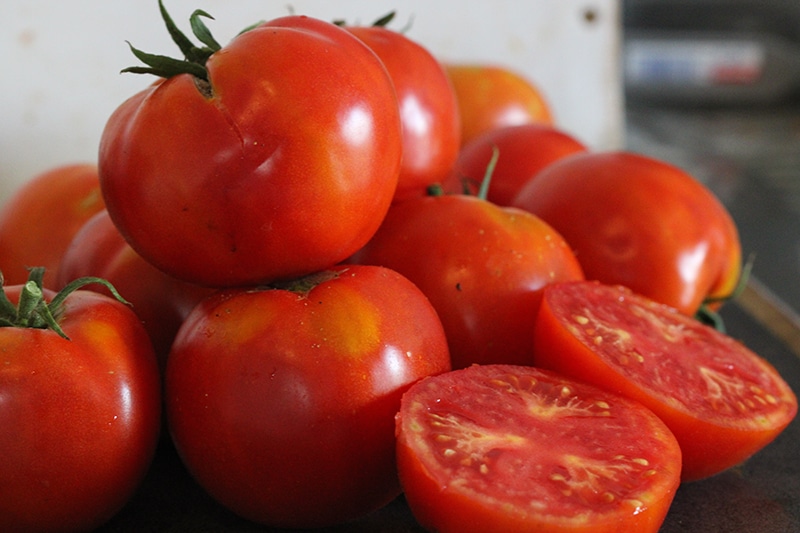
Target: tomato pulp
{"points": [[722, 401], [512, 449]]}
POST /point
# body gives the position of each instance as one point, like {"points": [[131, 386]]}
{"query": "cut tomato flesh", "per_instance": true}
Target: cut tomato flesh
{"points": [[507, 448], [721, 400]]}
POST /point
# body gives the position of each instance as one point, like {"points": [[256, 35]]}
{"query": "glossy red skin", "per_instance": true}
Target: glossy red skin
{"points": [[662, 358], [428, 109], [523, 151], [511, 449], [38, 220], [286, 169], [482, 266], [640, 222], [282, 405], [492, 96], [158, 299], [80, 417]]}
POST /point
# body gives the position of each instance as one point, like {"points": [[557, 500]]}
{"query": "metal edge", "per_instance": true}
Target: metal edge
{"points": [[766, 308]]}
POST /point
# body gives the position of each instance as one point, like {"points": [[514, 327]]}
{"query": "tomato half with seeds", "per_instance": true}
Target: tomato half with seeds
{"points": [[512, 449], [722, 401]]}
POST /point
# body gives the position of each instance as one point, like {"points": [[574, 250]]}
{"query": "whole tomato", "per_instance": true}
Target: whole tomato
{"points": [[481, 265], [39, 219], [281, 401], [523, 151], [159, 300], [493, 96], [277, 156], [640, 222], [428, 108], [80, 410]]}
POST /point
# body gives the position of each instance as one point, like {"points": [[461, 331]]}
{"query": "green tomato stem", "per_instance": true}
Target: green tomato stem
{"points": [[33, 311]]}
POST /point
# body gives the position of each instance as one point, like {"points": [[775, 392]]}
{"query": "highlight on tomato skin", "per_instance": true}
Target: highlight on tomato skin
{"points": [[506, 448], [722, 402]]}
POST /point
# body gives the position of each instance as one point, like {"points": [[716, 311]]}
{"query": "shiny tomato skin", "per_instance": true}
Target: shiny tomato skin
{"points": [[493, 96], [638, 221], [523, 151], [159, 300], [512, 449], [80, 417], [285, 167], [721, 401], [282, 404], [482, 266], [428, 109], [38, 220]]}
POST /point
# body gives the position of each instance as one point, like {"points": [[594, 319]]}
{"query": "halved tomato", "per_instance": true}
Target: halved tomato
{"points": [[504, 448], [722, 401]]}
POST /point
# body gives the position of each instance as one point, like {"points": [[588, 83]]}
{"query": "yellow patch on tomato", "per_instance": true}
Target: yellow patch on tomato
{"points": [[344, 321]]}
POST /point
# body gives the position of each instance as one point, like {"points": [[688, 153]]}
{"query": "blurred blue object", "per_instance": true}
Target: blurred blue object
{"points": [[719, 52]]}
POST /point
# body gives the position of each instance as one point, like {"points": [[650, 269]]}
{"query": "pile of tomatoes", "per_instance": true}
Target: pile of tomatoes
{"points": [[362, 274]]}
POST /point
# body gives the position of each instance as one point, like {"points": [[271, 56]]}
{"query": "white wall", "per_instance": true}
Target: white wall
{"points": [[60, 61]]}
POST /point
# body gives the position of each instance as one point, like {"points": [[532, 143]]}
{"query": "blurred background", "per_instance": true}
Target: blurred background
{"points": [[713, 86]]}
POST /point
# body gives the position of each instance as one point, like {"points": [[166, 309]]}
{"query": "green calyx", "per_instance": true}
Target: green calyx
{"points": [[33, 311], [483, 192], [195, 57], [303, 285]]}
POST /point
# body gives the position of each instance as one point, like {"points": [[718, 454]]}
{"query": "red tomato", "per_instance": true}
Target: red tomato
{"points": [[39, 219], [523, 150], [512, 449], [282, 402], [722, 402], [482, 266], [428, 108], [159, 300], [491, 96], [80, 417], [640, 222], [284, 162]]}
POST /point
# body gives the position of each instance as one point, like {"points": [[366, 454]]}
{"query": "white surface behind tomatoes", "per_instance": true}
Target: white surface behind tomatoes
{"points": [[61, 60]]}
